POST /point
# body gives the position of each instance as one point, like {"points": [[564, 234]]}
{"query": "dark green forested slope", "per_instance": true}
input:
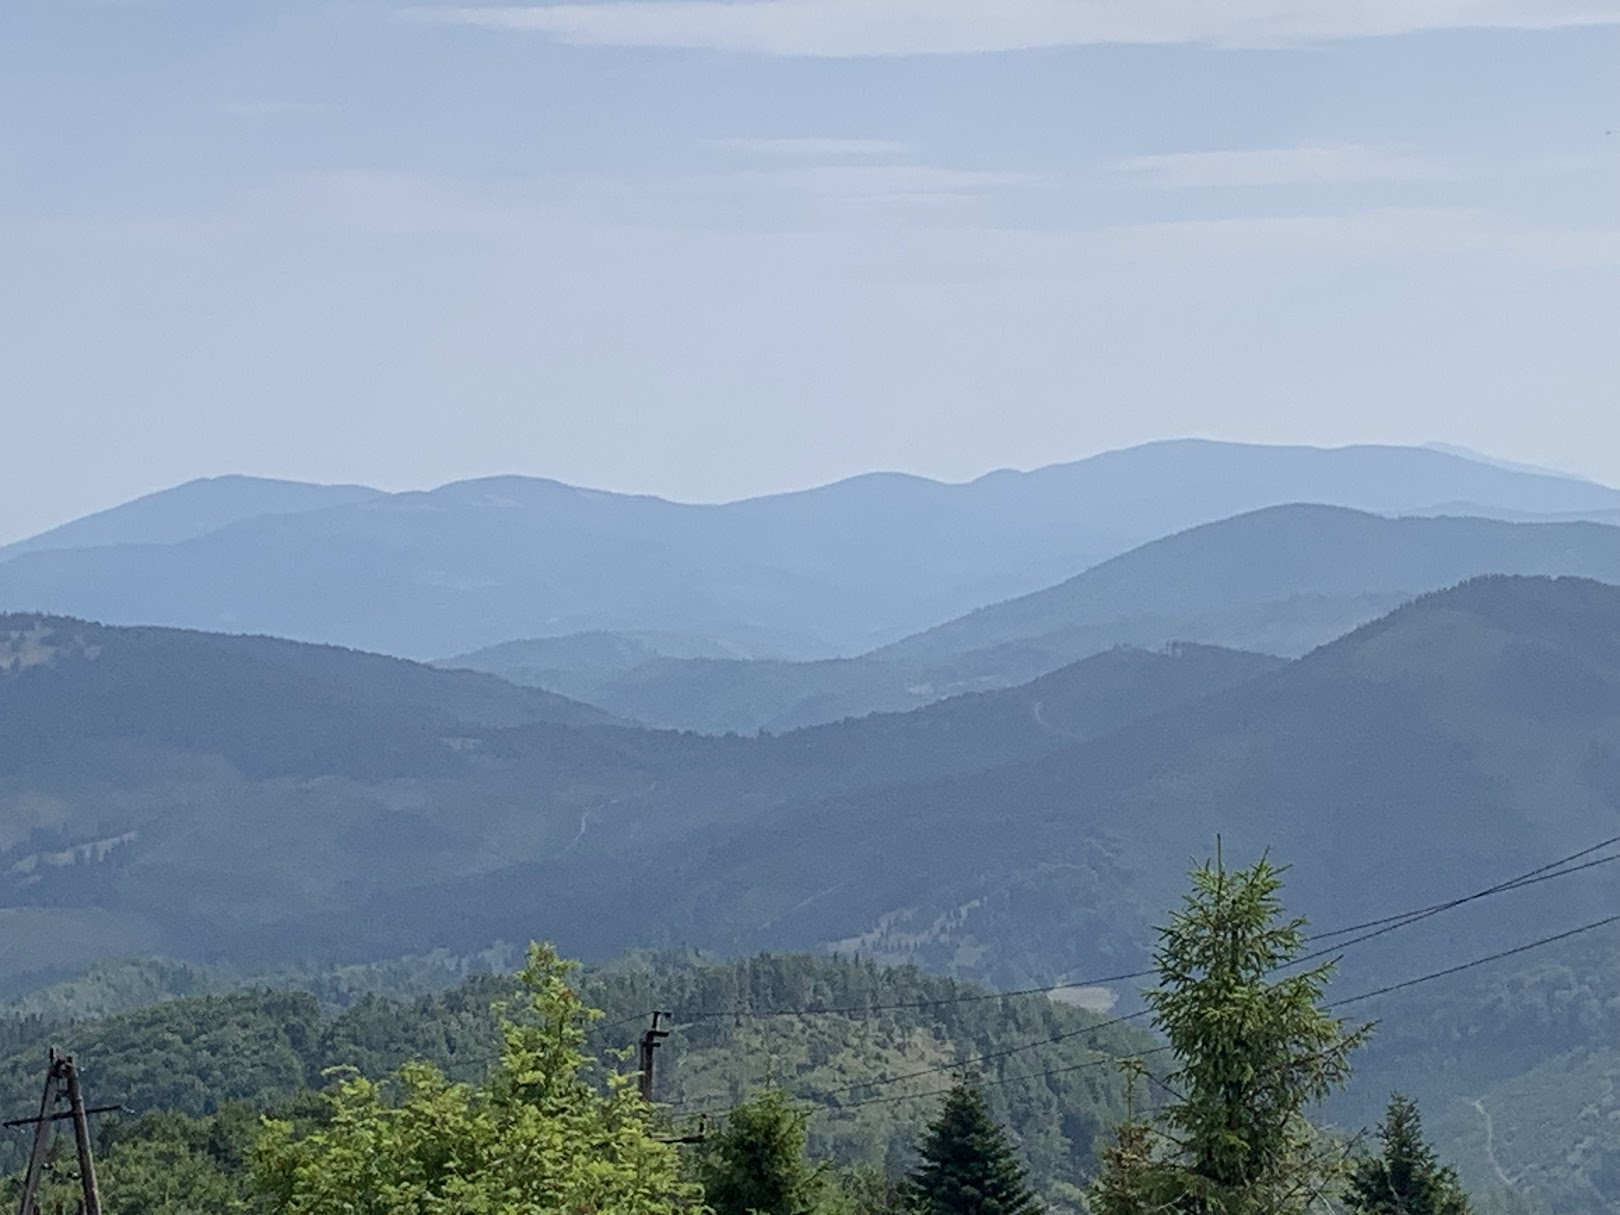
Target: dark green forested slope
{"points": [[267, 707], [1438, 750], [198, 1054], [189, 793], [1515, 1066]]}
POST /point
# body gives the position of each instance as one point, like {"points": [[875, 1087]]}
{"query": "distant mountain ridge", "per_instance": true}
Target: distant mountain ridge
{"points": [[191, 510], [1271, 556], [270, 707], [163, 789], [1433, 751], [1281, 580], [820, 572], [1018, 836], [1009, 835]]}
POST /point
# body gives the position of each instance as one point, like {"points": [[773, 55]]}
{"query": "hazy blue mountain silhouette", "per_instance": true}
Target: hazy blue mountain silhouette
{"points": [[828, 570], [190, 510], [1281, 580], [1323, 559]]}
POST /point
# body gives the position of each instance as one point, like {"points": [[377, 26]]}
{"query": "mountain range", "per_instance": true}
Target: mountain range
{"points": [[1281, 580], [834, 570], [1017, 835], [981, 728]]}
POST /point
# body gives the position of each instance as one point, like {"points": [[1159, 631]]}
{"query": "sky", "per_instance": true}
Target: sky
{"points": [[714, 248]]}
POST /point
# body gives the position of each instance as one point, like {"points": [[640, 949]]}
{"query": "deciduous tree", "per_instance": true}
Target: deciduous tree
{"points": [[537, 1139]]}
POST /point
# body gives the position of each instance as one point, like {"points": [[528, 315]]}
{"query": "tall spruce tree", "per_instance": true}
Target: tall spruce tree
{"points": [[1404, 1177], [1253, 1049], [967, 1165], [755, 1165]]}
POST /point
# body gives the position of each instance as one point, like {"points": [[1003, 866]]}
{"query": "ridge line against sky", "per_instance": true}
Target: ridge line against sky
{"points": [[1441, 448], [716, 250], [840, 28]]}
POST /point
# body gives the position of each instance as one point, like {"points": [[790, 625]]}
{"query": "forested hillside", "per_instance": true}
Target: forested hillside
{"points": [[1280, 581], [1477, 726], [71, 688], [1283, 580], [1034, 835], [135, 826], [1425, 754], [197, 1055]]}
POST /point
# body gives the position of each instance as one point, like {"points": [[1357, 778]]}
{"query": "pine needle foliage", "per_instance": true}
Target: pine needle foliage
{"points": [[1254, 1048], [967, 1166], [755, 1165], [1404, 1177]]}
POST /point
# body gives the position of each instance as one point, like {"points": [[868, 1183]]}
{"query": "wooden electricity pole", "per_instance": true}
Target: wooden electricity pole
{"points": [[61, 1088], [651, 1040], [81, 1138]]}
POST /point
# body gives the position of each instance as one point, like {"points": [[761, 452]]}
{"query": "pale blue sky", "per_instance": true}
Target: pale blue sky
{"points": [[711, 249]]}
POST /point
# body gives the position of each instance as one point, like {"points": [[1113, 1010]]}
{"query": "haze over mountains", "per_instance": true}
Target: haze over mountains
{"points": [[1015, 835], [1401, 702], [833, 570], [1280, 580]]}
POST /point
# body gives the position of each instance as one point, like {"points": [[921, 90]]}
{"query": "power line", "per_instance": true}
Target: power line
{"points": [[1563, 867], [1494, 957], [1539, 943], [1392, 923], [825, 1096], [1541, 873], [1004, 1080], [932, 1002]]}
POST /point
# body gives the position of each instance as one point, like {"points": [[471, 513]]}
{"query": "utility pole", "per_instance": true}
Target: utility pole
{"points": [[81, 1139], [651, 1040], [42, 1134], [61, 1087]]}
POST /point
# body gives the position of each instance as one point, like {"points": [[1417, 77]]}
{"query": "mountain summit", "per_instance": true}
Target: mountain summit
{"points": [[820, 572]]}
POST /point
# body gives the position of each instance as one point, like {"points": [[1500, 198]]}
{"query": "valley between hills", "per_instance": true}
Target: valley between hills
{"points": [[338, 848]]}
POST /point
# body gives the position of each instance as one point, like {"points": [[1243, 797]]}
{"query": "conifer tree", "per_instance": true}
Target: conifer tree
{"points": [[1404, 1177], [967, 1166], [1254, 1047], [756, 1164]]}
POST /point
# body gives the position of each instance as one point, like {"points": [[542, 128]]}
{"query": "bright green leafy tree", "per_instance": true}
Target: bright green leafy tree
{"points": [[967, 1167], [1253, 1048], [538, 1138], [755, 1165], [1404, 1177]]}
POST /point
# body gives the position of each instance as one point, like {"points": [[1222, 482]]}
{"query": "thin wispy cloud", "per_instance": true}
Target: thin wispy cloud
{"points": [[849, 28], [879, 180], [814, 148], [1312, 165]]}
